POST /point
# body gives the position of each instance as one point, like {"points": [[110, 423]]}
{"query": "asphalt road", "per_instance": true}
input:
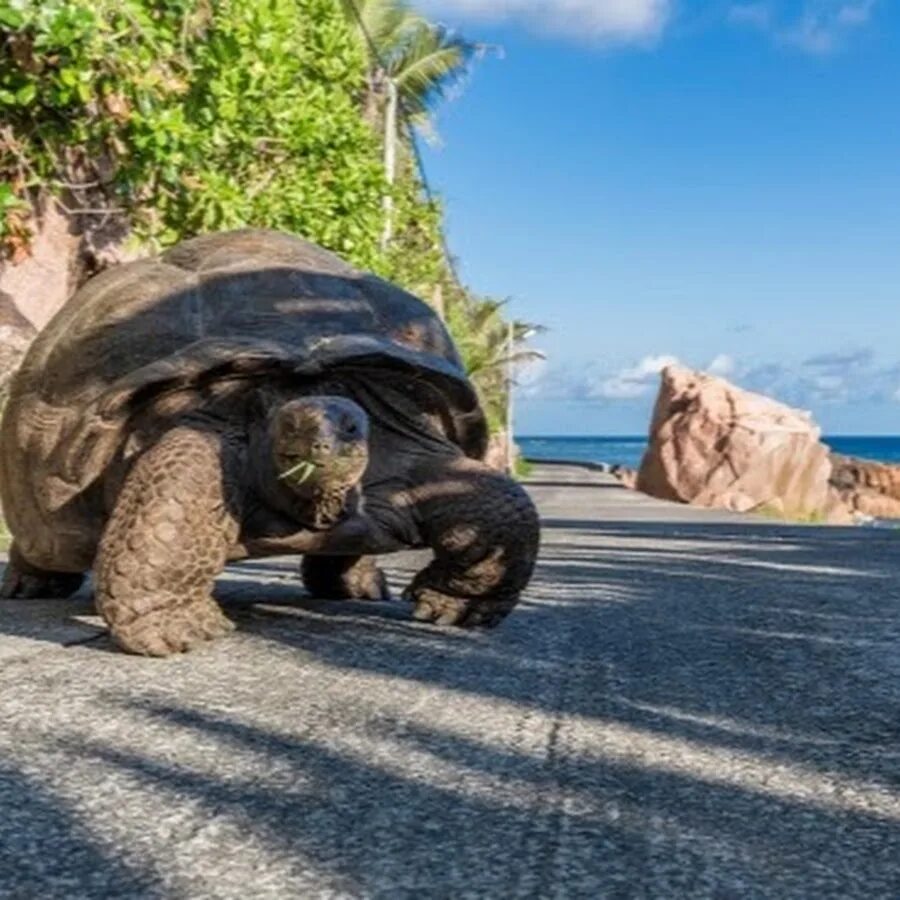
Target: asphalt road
{"points": [[684, 705]]}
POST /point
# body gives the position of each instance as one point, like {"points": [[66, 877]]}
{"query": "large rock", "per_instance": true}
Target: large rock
{"points": [[16, 333], [866, 488], [46, 276], [64, 250], [713, 444]]}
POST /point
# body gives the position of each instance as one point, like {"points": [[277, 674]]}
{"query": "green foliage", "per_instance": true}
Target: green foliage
{"points": [[190, 116], [524, 468], [184, 116], [774, 511], [415, 257], [488, 349]]}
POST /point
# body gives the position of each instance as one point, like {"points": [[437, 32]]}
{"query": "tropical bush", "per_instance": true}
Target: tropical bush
{"points": [[183, 116], [189, 116]]}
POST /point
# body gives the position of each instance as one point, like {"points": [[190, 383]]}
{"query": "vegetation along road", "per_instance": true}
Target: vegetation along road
{"points": [[686, 704]]}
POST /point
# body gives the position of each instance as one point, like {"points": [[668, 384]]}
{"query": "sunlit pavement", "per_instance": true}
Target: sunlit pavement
{"points": [[684, 705]]}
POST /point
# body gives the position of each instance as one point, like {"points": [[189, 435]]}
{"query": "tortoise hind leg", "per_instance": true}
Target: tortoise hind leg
{"points": [[23, 581], [344, 578], [166, 541]]}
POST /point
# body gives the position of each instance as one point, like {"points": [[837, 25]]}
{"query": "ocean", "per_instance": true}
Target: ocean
{"points": [[627, 451]]}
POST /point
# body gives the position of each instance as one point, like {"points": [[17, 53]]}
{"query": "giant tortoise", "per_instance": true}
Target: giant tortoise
{"points": [[248, 394]]}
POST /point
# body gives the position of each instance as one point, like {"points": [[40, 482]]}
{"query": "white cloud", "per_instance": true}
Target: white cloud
{"points": [[531, 377], [841, 360], [852, 376], [542, 380], [623, 21], [635, 381], [826, 379], [592, 383], [814, 26], [723, 365]]}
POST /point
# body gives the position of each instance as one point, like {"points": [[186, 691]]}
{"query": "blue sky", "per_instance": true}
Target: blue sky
{"points": [[717, 183]]}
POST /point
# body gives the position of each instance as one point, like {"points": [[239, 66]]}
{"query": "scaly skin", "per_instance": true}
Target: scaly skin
{"points": [[484, 531], [23, 581], [176, 517], [179, 514], [344, 578]]}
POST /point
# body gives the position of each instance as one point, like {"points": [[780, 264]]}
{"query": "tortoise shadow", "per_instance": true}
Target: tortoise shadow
{"points": [[367, 823], [47, 850], [799, 606], [702, 710]]}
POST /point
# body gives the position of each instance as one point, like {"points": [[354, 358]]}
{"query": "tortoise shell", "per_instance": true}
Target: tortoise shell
{"points": [[249, 304]]}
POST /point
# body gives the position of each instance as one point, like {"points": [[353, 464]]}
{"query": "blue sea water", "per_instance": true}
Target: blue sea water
{"points": [[627, 451]]}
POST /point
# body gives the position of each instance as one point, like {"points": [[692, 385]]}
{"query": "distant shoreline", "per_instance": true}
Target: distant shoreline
{"points": [[584, 464], [627, 450], [642, 437]]}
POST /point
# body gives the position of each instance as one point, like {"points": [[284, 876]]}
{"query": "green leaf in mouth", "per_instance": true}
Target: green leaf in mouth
{"points": [[299, 473]]}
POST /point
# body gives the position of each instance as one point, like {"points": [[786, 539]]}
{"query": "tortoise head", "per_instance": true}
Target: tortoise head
{"points": [[319, 443]]}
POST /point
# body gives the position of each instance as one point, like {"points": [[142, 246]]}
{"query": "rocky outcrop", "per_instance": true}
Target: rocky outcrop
{"points": [[44, 277], [16, 333], [713, 444], [866, 488], [62, 253]]}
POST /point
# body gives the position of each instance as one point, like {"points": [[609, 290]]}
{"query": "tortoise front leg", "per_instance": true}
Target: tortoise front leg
{"points": [[167, 539], [484, 531]]}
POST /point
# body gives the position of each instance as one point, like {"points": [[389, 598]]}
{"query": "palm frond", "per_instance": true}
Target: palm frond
{"points": [[515, 358], [428, 65], [383, 22], [426, 61]]}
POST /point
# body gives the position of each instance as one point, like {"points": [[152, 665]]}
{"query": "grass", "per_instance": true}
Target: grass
{"points": [[770, 511], [523, 468]]}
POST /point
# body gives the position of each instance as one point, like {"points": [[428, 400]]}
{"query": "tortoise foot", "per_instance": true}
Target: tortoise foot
{"points": [[344, 578], [434, 606], [166, 631], [24, 582]]}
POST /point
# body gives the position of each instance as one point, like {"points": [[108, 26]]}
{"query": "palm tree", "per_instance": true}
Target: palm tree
{"points": [[422, 60], [491, 346], [412, 64]]}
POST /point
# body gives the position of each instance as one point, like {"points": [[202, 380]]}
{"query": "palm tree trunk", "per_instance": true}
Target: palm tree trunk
{"points": [[374, 90], [390, 160]]}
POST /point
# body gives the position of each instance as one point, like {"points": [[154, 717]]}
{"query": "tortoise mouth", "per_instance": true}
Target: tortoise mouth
{"points": [[297, 458], [337, 465], [325, 457], [299, 473]]}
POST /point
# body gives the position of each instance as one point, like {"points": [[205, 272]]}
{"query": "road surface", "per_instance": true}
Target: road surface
{"points": [[685, 704]]}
